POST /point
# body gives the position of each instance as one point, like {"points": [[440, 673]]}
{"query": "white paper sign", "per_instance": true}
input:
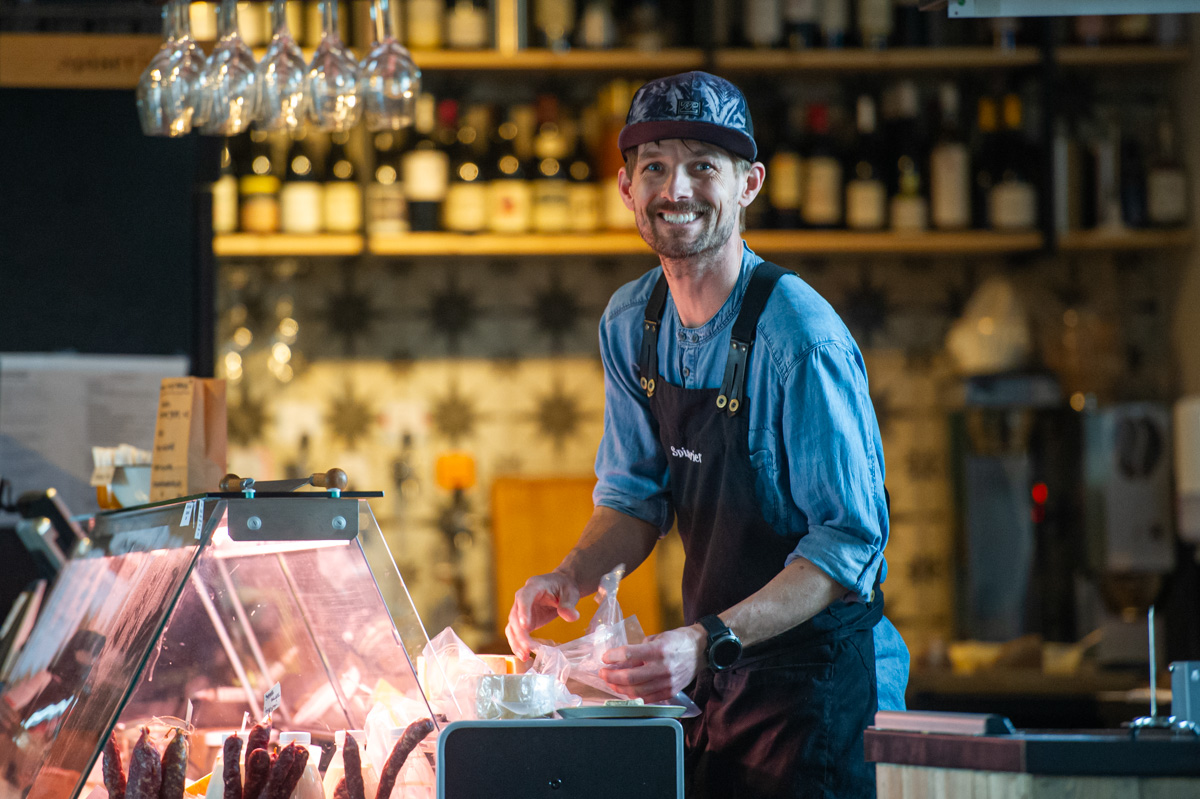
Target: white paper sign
{"points": [[272, 698], [187, 513]]}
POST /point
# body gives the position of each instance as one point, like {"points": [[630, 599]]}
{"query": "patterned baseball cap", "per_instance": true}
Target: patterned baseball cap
{"points": [[693, 105]]}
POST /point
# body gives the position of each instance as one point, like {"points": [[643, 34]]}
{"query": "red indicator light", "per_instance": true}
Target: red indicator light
{"points": [[1039, 493]]}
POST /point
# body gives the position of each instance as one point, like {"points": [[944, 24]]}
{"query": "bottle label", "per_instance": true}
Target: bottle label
{"points": [[467, 28], [551, 206], [583, 200], [875, 22], [800, 11], [784, 181], [225, 204], [465, 209], [1012, 205], [762, 23], [949, 186], [866, 204], [426, 175], [386, 210], [835, 16], [822, 191], [343, 207], [510, 206], [910, 213], [1166, 196], [425, 24], [301, 207]]}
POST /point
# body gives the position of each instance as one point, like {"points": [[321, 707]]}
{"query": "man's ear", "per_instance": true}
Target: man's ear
{"points": [[625, 186], [755, 175]]}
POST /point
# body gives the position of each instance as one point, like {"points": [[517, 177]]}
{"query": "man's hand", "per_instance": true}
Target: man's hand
{"points": [[659, 668], [541, 599]]}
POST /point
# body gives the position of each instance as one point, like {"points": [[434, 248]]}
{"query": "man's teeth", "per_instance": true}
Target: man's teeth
{"points": [[680, 219]]}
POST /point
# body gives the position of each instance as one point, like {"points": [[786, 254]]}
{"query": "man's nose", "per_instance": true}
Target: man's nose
{"points": [[678, 185]]}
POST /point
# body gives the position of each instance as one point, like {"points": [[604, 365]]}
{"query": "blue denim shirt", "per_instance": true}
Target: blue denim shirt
{"points": [[814, 441]]}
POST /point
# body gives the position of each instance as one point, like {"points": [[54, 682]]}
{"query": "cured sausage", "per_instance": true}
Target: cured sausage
{"points": [[353, 763], [279, 777], [258, 768], [296, 773], [174, 767], [341, 792], [114, 774], [232, 772], [145, 769], [413, 735], [259, 738]]}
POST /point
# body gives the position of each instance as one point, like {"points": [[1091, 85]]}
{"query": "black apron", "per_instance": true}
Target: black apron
{"points": [[787, 720]]}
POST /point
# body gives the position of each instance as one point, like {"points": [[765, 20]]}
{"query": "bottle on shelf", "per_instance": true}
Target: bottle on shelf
{"points": [[301, 200], [1133, 181], [387, 211], [646, 27], [583, 192], [343, 209], [510, 193], [1091, 29], [465, 209], [253, 23], [911, 28], [613, 102], [551, 195], [762, 23], [1004, 32], [1012, 201], [875, 23], [950, 167], [821, 206], [425, 169], [866, 192], [467, 25], [597, 27], [785, 173], [984, 168], [835, 20], [1166, 180], [908, 208], [225, 194], [554, 21], [426, 20], [801, 25], [258, 188]]}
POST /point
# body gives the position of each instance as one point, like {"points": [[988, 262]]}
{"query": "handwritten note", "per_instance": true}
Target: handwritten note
{"points": [[169, 474]]}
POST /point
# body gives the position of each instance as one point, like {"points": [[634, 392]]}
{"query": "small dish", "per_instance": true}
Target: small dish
{"points": [[622, 712]]}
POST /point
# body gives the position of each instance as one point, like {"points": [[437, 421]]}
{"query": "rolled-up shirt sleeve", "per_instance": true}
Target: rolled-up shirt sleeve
{"points": [[835, 463], [631, 469]]}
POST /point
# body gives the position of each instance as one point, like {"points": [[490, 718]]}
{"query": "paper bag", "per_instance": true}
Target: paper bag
{"points": [[189, 438]]}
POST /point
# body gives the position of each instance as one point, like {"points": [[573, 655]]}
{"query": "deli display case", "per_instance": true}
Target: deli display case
{"points": [[194, 613]]}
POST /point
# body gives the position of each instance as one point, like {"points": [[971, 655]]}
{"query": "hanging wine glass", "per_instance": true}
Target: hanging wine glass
{"points": [[280, 77], [228, 90], [391, 81], [167, 90], [333, 79]]}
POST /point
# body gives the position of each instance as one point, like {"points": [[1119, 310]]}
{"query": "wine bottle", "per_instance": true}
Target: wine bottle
{"points": [[343, 196], [984, 169], [554, 21], [425, 22], [908, 208], [465, 209], [258, 188], [597, 28], [822, 203], [1166, 180], [911, 29], [225, 194], [785, 173], [1133, 182], [1012, 203], [875, 23], [866, 192], [835, 19], [551, 200], [386, 208], [646, 26], [613, 102], [467, 25], [253, 23], [301, 200], [425, 169], [583, 192], [510, 195], [800, 24], [762, 23], [950, 167]]}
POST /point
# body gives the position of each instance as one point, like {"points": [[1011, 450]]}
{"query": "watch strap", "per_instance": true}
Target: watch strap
{"points": [[713, 625]]}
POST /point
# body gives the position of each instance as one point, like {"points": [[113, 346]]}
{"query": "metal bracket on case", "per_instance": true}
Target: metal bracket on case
{"points": [[286, 519]]}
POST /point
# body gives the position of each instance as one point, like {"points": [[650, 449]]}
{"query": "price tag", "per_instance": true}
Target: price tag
{"points": [[187, 513], [199, 518], [272, 698]]}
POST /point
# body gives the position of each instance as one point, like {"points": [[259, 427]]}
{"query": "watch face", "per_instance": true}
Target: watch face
{"points": [[725, 652]]}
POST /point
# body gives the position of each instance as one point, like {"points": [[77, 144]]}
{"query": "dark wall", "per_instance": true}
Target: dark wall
{"points": [[97, 231]]}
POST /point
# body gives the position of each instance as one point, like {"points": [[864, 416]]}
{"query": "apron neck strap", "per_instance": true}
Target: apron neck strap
{"points": [[731, 397], [648, 356]]}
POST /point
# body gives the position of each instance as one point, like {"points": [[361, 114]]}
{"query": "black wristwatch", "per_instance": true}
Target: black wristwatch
{"points": [[724, 648]]}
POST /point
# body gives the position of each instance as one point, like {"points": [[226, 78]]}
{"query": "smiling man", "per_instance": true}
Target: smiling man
{"points": [[736, 404]]}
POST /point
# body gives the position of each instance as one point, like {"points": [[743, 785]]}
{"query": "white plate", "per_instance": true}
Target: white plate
{"points": [[622, 712]]}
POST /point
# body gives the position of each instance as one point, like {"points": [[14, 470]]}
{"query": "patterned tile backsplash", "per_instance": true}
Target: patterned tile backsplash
{"points": [[379, 366]]}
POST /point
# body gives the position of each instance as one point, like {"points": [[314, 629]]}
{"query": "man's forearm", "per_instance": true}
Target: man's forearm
{"points": [[794, 596], [609, 537]]}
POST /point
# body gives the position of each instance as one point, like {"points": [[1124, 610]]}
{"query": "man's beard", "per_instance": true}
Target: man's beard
{"points": [[714, 233]]}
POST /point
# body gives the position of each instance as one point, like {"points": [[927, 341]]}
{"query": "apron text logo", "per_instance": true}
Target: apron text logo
{"points": [[694, 457]]}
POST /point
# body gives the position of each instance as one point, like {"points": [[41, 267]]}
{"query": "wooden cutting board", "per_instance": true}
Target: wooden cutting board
{"points": [[535, 522]]}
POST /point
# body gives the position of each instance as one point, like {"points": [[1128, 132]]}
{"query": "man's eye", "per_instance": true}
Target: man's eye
{"points": [[703, 166]]}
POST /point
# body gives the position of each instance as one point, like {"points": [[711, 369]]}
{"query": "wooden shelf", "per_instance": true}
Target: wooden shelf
{"points": [[1096, 240], [845, 242], [492, 244], [662, 62], [1127, 56], [74, 60], [253, 244], [860, 60]]}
